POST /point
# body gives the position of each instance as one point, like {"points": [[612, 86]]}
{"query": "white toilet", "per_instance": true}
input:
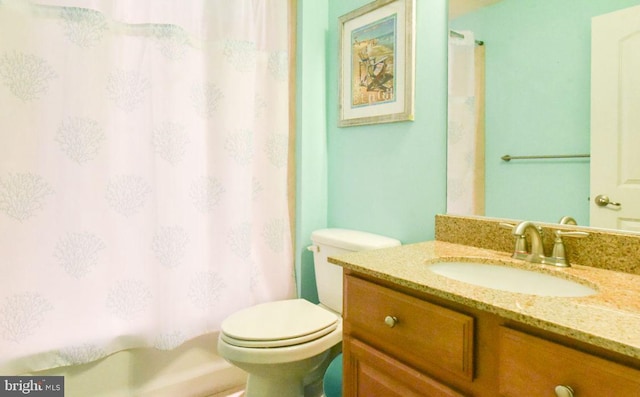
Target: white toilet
{"points": [[286, 345]]}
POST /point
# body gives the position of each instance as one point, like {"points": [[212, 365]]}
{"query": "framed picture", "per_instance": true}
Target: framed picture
{"points": [[377, 63]]}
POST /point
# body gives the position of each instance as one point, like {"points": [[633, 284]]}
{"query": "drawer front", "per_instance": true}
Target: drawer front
{"points": [[534, 367], [424, 335], [374, 374]]}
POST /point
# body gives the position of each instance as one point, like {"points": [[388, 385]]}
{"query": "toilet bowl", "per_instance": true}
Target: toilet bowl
{"points": [[279, 344], [285, 346]]}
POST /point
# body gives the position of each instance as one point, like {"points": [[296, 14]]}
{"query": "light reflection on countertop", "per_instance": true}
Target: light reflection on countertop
{"points": [[609, 319]]}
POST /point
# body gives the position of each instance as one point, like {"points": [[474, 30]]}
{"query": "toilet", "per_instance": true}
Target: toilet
{"points": [[285, 346]]}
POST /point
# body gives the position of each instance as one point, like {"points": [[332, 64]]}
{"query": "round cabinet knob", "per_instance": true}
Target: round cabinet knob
{"points": [[564, 391], [391, 321]]}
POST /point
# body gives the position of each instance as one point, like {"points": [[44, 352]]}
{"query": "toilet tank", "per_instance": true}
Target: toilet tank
{"points": [[332, 242]]}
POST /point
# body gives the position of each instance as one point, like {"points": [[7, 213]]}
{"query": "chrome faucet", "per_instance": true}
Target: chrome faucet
{"points": [[567, 220], [528, 228], [536, 253]]}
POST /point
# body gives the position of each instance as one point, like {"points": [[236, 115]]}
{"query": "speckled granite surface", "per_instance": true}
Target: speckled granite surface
{"points": [[603, 249], [609, 319]]}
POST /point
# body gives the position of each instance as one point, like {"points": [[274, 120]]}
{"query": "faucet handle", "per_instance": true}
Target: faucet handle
{"points": [[560, 233], [558, 256], [520, 250]]}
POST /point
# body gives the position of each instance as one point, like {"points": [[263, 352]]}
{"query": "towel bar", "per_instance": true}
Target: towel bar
{"points": [[508, 157]]}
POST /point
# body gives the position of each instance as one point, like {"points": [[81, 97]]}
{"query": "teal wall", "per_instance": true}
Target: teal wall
{"points": [[388, 179], [311, 136], [538, 59], [391, 178]]}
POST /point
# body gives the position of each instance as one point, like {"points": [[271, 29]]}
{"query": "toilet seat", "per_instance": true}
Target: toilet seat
{"points": [[278, 324]]}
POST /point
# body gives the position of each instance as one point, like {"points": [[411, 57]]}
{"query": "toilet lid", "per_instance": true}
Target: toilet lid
{"points": [[278, 324]]}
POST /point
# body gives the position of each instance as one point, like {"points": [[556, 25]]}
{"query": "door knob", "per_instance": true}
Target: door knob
{"points": [[602, 200]]}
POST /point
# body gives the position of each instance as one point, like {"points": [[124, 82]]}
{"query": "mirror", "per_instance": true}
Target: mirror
{"points": [[537, 102]]}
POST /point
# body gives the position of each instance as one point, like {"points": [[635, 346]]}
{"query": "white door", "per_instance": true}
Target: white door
{"points": [[615, 120]]}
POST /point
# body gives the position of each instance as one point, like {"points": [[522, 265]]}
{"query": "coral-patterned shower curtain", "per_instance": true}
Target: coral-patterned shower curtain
{"points": [[143, 172]]}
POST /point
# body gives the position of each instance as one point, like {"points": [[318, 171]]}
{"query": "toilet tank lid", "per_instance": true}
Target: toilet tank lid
{"points": [[352, 240]]}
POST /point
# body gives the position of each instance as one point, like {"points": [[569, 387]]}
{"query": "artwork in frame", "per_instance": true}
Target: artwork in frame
{"points": [[377, 63]]}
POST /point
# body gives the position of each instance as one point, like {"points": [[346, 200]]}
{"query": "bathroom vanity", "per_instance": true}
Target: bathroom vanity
{"points": [[411, 332]]}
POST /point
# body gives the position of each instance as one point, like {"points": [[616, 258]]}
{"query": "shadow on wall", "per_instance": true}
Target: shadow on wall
{"points": [[308, 289]]}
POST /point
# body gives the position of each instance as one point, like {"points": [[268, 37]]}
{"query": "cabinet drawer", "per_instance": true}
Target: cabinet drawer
{"points": [[534, 367], [425, 335], [376, 374]]}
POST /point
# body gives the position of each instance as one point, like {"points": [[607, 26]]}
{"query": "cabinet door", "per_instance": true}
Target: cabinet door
{"points": [[424, 335], [530, 366], [370, 373]]}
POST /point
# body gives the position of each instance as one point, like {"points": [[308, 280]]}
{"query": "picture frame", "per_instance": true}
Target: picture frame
{"points": [[377, 66]]}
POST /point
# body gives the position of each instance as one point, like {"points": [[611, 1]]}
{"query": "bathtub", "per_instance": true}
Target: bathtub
{"points": [[191, 370]]}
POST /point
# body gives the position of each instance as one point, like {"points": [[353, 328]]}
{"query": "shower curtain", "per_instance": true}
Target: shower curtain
{"points": [[143, 173], [465, 146]]}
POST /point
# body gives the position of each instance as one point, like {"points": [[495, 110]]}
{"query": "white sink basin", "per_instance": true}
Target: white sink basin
{"points": [[511, 279]]}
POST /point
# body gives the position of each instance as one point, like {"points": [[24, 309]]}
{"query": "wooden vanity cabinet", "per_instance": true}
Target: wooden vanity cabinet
{"points": [[400, 342], [397, 344], [373, 373], [531, 366]]}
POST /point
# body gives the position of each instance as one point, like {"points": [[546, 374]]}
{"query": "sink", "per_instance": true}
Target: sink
{"points": [[511, 279]]}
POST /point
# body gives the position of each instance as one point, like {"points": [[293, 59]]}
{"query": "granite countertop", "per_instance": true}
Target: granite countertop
{"points": [[609, 319]]}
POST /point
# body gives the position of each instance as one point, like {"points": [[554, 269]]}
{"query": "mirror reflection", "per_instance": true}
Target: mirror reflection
{"points": [[537, 102]]}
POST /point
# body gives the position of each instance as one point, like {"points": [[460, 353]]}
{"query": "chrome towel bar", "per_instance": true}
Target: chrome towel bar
{"points": [[508, 157]]}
